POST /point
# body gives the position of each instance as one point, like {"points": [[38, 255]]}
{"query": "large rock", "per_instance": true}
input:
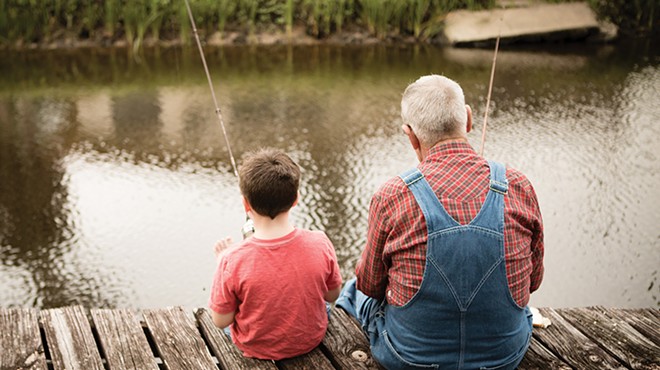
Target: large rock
{"points": [[534, 22]]}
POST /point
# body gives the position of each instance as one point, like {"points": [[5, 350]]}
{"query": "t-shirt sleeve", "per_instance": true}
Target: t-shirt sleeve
{"points": [[334, 275], [223, 296]]}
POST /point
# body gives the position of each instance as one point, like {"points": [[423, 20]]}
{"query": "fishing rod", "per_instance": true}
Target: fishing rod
{"points": [[248, 227], [490, 89], [215, 100]]}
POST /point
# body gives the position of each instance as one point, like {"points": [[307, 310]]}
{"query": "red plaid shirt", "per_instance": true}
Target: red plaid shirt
{"points": [[395, 255]]}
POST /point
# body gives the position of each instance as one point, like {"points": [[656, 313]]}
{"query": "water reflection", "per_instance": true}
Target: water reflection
{"points": [[116, 181], [39, 239]]}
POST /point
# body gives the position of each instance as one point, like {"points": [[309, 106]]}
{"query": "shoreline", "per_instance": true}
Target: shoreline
{"points": [[280, 38], [355, 36]]}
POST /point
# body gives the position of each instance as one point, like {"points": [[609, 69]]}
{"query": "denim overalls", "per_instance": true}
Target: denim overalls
{"points": [[463, 316]]}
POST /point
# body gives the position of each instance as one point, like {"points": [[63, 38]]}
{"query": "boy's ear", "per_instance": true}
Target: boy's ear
{"points": [[295, 202], [246, 205]]}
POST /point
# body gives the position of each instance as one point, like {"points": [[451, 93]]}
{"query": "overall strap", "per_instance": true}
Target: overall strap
{"points": [[435, 214], [491, 215], [498, 181]]}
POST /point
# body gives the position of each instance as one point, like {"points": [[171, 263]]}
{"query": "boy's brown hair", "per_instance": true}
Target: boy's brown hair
{"points": [[269, 181]]}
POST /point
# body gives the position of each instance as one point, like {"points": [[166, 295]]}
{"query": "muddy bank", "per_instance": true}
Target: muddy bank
{"points": [[298, 36]]}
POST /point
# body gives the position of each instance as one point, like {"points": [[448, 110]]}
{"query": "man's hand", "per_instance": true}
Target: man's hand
{"points": [[221, 246]]}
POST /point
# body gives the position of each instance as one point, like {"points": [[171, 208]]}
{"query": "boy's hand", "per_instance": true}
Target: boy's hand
{"points": [[221, 246]]}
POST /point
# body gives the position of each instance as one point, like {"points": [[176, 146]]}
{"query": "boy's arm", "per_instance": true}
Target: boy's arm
{"points": [[332, 295], [222, 297], [222, 320], [221, 246]]}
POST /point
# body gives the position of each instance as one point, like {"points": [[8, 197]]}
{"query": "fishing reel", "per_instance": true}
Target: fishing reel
{"points": [[248, 228]]}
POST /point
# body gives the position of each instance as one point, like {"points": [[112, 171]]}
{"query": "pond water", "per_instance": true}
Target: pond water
{"points": [[115, 181]]}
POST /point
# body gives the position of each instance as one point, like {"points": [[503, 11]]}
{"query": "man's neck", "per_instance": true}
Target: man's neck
{"points": [[457, 139], [267, 228], [460, 139]]}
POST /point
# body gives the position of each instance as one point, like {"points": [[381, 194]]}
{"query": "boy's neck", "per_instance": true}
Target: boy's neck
{"points": [[267, 228]]}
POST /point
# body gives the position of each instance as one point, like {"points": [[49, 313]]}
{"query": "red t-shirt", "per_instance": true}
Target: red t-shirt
{"points": [[276, 288]]}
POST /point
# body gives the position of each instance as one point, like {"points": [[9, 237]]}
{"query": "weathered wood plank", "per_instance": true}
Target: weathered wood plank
{"points": [[313, 360], [540, 358], [224, 350], [643, 320], [616, 336], [594, 337], [122, 340], [345, 344], [652, 313], [70, 340], [572, 346], [20, 341], [177, 339]]}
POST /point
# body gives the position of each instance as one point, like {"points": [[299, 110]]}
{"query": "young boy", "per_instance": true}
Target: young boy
{"points": [[272, 287]]}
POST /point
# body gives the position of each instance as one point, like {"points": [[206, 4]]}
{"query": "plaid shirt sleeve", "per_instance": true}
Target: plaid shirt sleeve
{"points": [[537, 246], [371, 271]]}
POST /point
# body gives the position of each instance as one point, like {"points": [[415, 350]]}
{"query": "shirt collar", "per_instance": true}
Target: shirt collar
{"points": [[450, 148]]}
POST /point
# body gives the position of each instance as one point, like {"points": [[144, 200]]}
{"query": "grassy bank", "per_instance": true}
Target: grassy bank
{"points": [[108, 22], [36, 21]]}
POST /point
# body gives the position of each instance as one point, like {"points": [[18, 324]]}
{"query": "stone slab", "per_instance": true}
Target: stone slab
{"points": [[465, 26]]}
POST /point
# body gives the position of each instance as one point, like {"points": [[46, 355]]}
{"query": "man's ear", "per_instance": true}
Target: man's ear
{"points": [[468, 126], [414, 141]]}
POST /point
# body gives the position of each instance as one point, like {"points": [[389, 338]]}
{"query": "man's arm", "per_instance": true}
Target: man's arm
{"points": [[222, 320], [537, 246], [537, 259], [371, 272]]}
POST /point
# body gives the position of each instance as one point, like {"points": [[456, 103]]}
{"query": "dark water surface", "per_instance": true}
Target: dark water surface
{"points": [[115, 181]]}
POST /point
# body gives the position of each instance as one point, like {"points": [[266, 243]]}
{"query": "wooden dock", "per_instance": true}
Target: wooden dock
{"points": [[173, 338]]}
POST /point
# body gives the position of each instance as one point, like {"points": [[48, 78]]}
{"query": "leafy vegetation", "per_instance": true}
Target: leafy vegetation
{"points": [[36, 21], [633, 17], [108, 21]]}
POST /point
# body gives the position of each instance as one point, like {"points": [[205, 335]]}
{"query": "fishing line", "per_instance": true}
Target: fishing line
{"points": [[490, 89], [215, 101], [490, 86], [248, 227]]}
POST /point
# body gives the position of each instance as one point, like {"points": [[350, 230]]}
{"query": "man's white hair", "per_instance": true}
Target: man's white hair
{"points": [[434, 107]]}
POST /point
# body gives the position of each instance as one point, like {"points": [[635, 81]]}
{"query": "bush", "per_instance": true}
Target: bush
{"points": [[633, 17]]}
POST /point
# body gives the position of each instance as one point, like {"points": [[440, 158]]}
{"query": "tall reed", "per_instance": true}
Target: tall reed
{"points": [[111, 15], [383, 16], [91, 18], [226, 10], [288, 16], [4, 21], [247, 13]]}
